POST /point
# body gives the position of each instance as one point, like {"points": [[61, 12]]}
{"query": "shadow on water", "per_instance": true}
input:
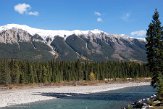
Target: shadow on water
{"points": [[114, 99], [126, 94]]}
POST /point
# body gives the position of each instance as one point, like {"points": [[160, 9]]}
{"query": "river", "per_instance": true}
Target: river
{"points": [[115, 99]]}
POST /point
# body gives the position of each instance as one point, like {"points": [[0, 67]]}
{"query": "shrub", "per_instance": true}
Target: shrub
{"points": [[92, 76]]}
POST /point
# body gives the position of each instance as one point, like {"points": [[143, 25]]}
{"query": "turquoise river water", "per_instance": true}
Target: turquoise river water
{"points": [[104, 100]]}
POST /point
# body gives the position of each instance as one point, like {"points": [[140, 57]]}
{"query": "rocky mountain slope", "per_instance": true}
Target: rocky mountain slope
{"points": [[24, 42]]}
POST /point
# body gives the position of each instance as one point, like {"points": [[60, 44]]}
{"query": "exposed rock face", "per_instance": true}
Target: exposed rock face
{"points": [[14, 36], [93, 45]]}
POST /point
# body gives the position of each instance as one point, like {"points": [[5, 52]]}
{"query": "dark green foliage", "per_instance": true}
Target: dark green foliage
{"points": [[154, 47], [15, 71], [160, 86], [19, 71], [5, 77]]}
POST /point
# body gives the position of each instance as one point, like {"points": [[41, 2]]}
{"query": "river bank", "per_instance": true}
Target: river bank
{"points": [[28, 95]]}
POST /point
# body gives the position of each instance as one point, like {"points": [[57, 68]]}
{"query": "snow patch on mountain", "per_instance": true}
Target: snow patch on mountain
{"points": [[64, 33], [48, 33]]}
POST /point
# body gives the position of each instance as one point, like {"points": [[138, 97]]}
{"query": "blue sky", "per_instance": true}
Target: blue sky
{"points": [[129, 17]]}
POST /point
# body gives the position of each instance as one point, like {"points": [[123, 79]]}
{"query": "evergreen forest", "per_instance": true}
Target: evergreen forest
{"points": [[14, 71]]}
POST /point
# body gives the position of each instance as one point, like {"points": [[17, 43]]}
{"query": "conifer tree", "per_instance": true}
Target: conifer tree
{"points": [[15, 72], [153, 47], [31, 74], [160, 86], [5, 77]]}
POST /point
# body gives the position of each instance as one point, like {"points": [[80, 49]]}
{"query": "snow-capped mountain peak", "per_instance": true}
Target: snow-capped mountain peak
{"points": [[21, 41], [48, 33]]}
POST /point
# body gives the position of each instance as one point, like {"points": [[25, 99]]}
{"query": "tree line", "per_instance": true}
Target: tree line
{"points": [[20, 71]]}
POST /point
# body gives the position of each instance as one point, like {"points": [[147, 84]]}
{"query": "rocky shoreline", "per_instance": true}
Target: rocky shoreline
{"points": [[147, 103]]}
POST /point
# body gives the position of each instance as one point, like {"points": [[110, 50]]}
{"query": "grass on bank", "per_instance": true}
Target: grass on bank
{"points": [[74, 83]]}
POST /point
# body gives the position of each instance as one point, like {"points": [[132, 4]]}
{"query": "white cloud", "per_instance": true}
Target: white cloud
{"points": [[98, 16], [97, 13], [99, 19], [33, 13], [140, 33], [22, 8], [126, 16]]}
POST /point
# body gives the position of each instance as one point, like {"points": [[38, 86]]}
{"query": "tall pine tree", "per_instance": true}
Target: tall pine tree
{"points": [[153, 47]]}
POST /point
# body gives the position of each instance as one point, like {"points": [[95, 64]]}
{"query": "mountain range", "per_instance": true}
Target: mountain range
{"points": [[24, 42]]}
